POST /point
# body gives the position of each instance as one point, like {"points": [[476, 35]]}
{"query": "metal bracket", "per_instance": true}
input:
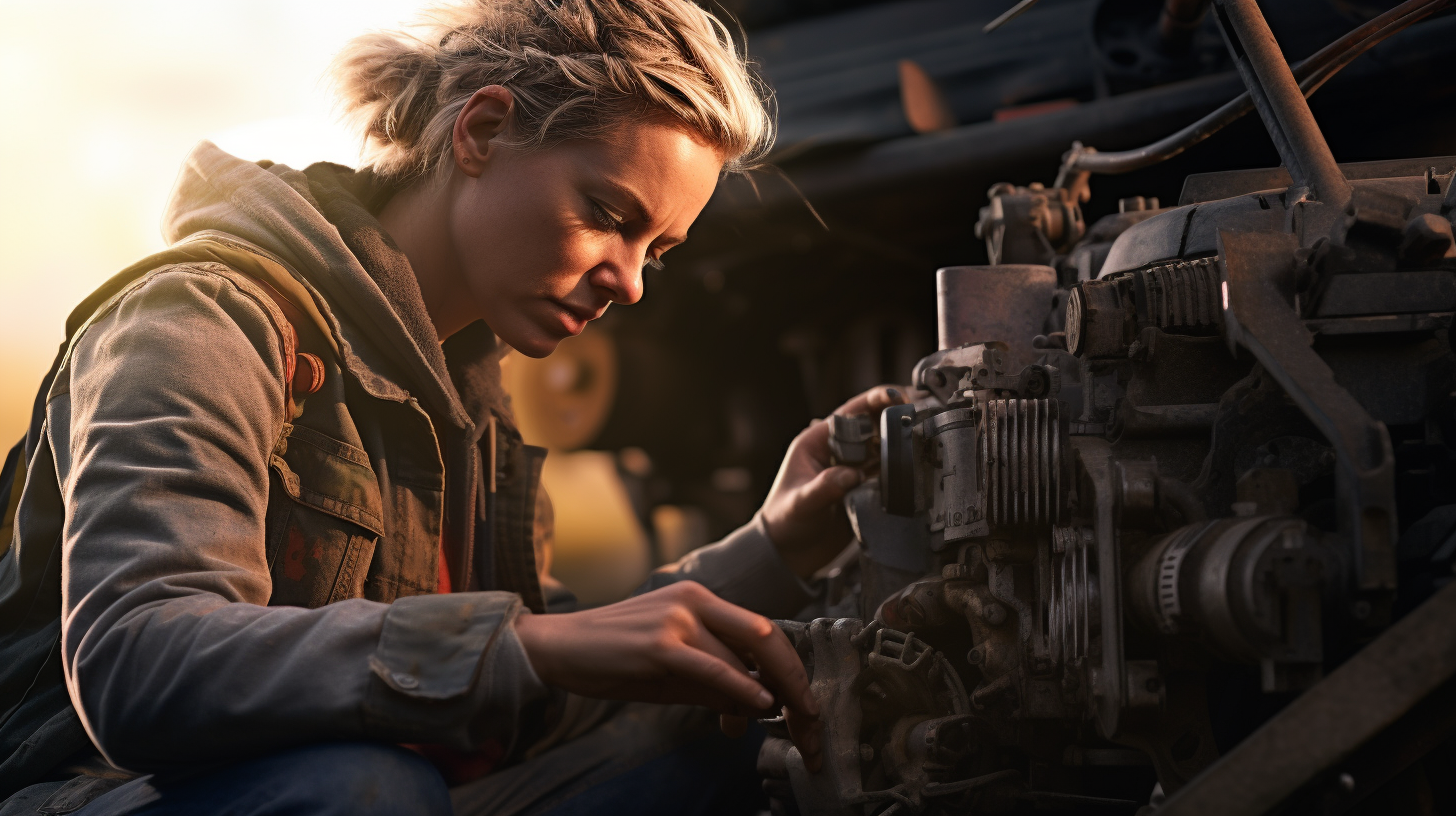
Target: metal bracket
{"points": [[1257, 317]]}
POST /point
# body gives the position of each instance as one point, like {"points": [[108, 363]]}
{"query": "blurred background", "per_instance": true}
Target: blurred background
{"points": [[800, 288]]}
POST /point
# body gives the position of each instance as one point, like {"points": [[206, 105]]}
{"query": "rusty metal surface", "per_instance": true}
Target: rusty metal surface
{"points": [[1008, 302]]}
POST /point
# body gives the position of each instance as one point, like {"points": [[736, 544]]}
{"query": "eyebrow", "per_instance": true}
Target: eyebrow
{"points": [[636, 203]]}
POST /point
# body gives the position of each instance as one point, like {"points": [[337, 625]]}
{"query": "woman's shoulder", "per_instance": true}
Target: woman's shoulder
{"points": [[183, 321]]}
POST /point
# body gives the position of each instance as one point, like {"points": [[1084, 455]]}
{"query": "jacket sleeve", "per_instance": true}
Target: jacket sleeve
{"points": [[170, 406], [745, 569]]}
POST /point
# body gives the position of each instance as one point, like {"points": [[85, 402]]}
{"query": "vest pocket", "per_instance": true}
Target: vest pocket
{"points": [[323, 519]]}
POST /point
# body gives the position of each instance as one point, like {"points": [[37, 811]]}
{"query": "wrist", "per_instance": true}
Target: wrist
{"points": [[532, 632], [801, 559]]}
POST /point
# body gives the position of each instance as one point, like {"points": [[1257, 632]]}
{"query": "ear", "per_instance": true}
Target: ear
{"points": [[485, 115]]}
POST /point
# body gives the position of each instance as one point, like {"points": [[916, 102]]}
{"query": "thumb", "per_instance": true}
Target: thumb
{"points": [[827, 488]]}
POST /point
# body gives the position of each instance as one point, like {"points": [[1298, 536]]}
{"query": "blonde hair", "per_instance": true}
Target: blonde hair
{"points": [[577, 69]]}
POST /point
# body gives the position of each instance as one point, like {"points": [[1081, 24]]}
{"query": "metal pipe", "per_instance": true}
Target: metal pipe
{"points": [[1280, 103]]}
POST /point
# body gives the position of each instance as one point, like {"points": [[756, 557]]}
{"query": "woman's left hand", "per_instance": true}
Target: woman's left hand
{"points": [[804, 511]]}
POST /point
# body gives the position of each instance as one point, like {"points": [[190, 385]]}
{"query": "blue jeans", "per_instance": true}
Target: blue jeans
{"points": [[331, 779], [627, 766]]}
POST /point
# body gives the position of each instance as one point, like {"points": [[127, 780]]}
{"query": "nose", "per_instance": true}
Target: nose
{"points": [[621, 277]]}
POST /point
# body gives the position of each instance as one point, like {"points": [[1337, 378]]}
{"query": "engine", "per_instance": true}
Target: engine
{"points": [[1164, 491]]}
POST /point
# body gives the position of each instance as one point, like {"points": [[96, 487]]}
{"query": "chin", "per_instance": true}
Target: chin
{"points": [[536, 346]]}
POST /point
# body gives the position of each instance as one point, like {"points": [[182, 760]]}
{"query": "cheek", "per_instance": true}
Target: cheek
{"points": [[527, 249]]}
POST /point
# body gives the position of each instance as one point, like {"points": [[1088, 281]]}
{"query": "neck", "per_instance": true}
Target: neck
{"points": [[417, 218]]}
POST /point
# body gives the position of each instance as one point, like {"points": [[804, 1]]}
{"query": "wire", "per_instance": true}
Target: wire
{"points": [[1311, 74], [1009, 15]]}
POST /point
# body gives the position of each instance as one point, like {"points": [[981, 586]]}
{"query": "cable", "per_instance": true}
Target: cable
{"points": [[1311, 73]]}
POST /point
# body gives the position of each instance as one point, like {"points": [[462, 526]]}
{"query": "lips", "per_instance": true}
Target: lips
{"points": [[575, 318]]}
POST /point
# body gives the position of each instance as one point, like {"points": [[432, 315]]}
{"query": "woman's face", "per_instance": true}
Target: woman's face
{"points": [[547, 239]]}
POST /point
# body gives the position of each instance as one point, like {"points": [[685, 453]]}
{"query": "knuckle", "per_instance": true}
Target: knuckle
{"points": [[687, 590], [679, 620], [666, 639]]}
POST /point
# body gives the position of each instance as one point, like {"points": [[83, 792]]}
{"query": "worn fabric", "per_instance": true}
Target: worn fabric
{"points": [[202, 572]]}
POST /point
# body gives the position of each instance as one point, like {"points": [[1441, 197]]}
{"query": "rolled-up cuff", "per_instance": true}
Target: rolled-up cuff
{"points": [[744, 568], [450, 669]]}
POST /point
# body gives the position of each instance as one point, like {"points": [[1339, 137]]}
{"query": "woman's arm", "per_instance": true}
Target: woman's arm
{"points": [[172, 656], [801, 527]]}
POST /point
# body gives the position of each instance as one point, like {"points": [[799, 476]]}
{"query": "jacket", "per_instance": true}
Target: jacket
{"points": [[205, 566]]}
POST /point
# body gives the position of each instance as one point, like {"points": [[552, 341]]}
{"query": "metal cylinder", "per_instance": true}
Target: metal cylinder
{"points": [[959, 502], [1235, 583], [1006, 302]]}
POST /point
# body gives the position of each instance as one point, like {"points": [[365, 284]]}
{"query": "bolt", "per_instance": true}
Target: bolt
{"points": [[994, 614], [953, 572], [974, 657], [866, 752]]}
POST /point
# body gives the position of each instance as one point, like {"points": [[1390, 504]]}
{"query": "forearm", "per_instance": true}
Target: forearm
{"points": [[744, 568], [197, 679]]}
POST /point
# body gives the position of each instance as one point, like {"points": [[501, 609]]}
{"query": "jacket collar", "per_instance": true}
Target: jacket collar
{"points": [[319, 223]]}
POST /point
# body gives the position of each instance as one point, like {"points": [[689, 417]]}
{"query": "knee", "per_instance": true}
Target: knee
{"points": [[368, 779]]}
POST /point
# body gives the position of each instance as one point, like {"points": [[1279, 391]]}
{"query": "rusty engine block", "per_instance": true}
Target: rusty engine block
{"points": [[1164, 501]]}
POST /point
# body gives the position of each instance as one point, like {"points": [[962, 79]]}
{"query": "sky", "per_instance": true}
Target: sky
{"points": [[100, 103]]}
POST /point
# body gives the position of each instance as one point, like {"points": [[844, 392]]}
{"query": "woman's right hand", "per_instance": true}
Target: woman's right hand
{"points": [[678, 644]]}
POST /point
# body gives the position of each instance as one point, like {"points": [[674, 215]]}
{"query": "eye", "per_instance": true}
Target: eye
{"points": [[609, 222]]}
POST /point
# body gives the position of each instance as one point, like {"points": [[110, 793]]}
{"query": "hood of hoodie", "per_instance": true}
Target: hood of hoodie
{"points": [[319, 222]]}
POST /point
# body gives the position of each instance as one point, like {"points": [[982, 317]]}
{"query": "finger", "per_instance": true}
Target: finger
{"points": [[873, 401], [705, 640], [827, 489], [807, 734], [675, 690], [731, 726], [813, 441], [697, 666], [778, 663]]}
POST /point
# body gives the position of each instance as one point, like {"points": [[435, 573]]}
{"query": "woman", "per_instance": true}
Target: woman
{"points": [[276, 520]]}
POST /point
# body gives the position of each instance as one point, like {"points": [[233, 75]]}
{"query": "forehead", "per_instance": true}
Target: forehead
{"points": [[665, 165]]}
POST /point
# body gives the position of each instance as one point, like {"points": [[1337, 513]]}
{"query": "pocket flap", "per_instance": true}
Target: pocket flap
{"points": [[331, 476]]}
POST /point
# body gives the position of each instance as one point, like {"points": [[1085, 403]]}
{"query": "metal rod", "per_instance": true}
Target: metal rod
{"points": [[1280, 103]]}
